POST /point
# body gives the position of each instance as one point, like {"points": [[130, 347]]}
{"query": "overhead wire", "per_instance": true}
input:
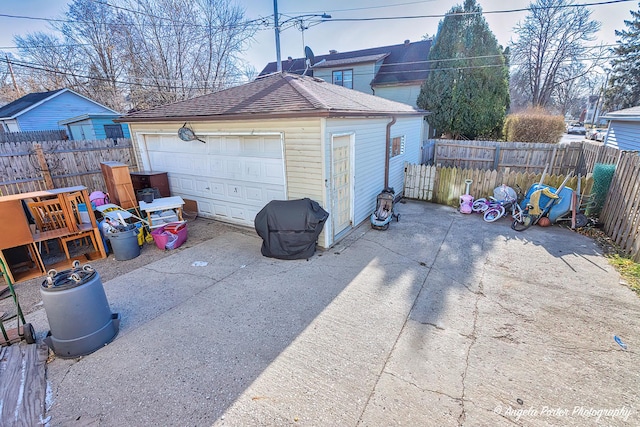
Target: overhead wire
{"points": [[265, 22], [241, 77]]}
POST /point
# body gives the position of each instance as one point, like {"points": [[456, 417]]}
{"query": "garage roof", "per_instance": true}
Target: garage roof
{"points": [[274, 96], [628, 114]]}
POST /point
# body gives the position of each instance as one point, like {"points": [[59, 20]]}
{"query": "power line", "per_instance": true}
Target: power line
{"points": [[443, 15], [45, 46], [370, 7], [174, 23], [168, 82], [107, 80], [263, 21]]}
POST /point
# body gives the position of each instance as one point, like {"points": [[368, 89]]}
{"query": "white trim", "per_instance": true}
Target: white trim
{"points": [[87, 116], [352, 180], [144, 154], [146, 160], [326, 181]]}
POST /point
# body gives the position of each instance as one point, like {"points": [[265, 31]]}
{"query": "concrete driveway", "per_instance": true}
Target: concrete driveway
{"points": [[443, 320]]}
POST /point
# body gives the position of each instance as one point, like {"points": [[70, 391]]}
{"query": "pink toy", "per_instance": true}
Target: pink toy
{"points": [[466, 201], [98, 198]]}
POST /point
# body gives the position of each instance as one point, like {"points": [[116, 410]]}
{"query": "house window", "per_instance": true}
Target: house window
{"points": [[397, 146], [343, 78], [113, 131]]}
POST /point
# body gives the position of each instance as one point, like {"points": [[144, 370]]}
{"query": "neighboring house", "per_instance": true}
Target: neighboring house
{"points": [[624, 129], [95, 126], [391, 72], [281, 137], [44, 110]]}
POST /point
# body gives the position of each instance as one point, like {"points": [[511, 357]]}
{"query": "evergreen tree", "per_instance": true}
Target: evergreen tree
{"points": [[467, 90], [624, 85]]}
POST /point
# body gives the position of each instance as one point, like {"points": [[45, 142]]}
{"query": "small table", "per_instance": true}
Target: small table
{"points": [[162, 204]]}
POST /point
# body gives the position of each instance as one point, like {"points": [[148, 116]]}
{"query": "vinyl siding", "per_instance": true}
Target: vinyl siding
{"points": [[411, 129], [363, 74], [370, 146], [98, 127], [624, 135], [302, 153], [407, 94], [82, 130], [61, 107]]}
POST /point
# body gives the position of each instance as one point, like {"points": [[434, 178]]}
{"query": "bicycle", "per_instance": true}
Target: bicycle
{"points": [[493, 209], [532, 213], [490, 208]]}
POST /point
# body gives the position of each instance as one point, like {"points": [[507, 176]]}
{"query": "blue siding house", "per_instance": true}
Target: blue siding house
{"points": [[50, 110], [624, 129], [95, 126]]}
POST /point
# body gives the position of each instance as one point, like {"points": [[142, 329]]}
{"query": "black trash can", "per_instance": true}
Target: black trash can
{"points": [[80, 319]]}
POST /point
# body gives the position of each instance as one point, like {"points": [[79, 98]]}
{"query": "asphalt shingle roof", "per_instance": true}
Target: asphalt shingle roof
{"points": [[16, 107], [276, 95], [403, 63]]}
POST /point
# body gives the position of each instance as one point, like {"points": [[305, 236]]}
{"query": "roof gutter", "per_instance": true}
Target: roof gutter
{"points": [[258, 116], [388, 152]]}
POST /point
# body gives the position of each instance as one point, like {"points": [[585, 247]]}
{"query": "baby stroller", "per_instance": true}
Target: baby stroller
{"points": [[384, 212]]}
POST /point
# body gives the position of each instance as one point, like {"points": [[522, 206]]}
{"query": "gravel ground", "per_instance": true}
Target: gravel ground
{"points": [[200, 230]]}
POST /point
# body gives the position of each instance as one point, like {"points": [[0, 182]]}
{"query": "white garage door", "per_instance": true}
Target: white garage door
{"points": [[231, 177]]}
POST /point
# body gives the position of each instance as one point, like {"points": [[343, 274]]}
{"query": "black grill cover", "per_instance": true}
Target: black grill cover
{"points": [[290, 228]]}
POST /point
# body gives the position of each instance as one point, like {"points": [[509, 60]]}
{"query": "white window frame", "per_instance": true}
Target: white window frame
{"points": [[392, 153]]}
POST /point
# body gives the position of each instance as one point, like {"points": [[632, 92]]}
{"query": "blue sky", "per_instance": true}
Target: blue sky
{"points": [[341, 36]]}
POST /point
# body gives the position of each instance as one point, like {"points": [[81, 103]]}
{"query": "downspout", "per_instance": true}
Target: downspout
{"points": [[387, 153]]}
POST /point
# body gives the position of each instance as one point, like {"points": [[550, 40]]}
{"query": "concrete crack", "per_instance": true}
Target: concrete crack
{"points": [[438, 392], [473, 337], [440, 328]]}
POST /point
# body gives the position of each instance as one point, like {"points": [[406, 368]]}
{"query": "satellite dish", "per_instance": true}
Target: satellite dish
{"points": [[310, 59], [187, 134], [308, 53]]}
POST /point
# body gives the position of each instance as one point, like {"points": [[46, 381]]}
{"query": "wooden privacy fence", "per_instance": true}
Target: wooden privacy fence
{"points": [[35, 166], [621, 211], [36, 135], [577, 157], [445, 185], [596, 152]]}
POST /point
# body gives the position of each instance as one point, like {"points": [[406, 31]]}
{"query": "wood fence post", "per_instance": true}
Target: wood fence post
{"points": [[48, 182]]}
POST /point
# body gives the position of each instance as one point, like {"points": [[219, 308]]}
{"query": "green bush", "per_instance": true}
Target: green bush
{"points": [[533, 125]]}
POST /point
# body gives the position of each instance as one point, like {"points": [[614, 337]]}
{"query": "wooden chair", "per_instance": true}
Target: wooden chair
{"points": [[54, 224], [49, 218], [83, 231], [76, 199]]}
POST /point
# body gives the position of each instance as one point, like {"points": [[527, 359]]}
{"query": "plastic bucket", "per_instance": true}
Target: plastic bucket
{"points": [[165, 239], [125, 244]]}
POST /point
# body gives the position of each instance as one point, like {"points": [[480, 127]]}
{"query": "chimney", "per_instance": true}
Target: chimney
{"points": [[333, 52], [407, 42]]}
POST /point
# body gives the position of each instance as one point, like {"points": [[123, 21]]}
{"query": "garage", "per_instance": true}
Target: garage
{"points": [[231, 176], [280, 137]]}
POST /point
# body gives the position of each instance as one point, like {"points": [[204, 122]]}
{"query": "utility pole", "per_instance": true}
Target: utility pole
{"points": [[13, 78], [277, 29]]}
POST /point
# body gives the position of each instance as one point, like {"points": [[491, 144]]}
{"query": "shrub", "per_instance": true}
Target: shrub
{"points": [[534, 125]]}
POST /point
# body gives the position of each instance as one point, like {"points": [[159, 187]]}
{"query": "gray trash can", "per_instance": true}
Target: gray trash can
{"points": [[125, 243], [80, 319]]}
